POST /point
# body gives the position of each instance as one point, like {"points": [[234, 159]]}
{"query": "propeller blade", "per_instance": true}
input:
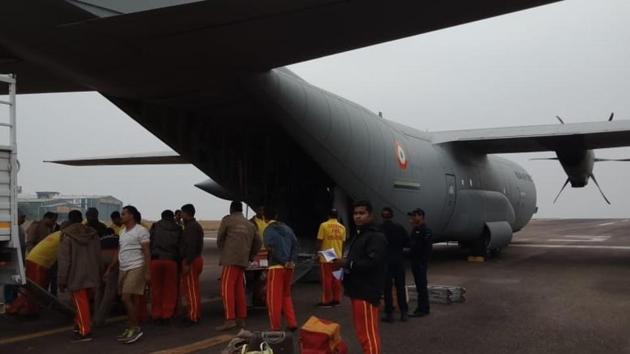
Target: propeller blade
{"points": [[560, 119], [561, 189], [611, 160], [543, 158], [600, 189], [612, 115]]}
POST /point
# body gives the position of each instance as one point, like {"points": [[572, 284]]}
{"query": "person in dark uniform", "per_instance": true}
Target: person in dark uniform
{"points": [[364, 274], [397, 239], [421, 242]]}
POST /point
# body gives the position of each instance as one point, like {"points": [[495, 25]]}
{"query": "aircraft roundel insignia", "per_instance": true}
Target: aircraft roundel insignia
{"points": [[402, 156]]}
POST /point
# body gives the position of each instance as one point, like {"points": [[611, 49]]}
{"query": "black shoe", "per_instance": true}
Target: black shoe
{"points": [[325, 305], [389, 318], [335, 303], [404, 316], [78, 338], [418, 314], [187, 322]]}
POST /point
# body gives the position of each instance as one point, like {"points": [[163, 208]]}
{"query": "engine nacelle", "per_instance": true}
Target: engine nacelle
{"points": [[578, 165]]}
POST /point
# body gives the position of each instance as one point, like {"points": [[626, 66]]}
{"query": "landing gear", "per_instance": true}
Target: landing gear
{"points": [[481, 247]]}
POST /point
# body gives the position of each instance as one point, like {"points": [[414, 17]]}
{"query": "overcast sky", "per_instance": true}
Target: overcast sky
{"points": [[570, 59]]}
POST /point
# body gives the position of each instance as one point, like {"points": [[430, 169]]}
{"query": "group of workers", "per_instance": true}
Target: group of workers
{"points": [[373, 264], [124, 258], [367, 270], [97, 264]]}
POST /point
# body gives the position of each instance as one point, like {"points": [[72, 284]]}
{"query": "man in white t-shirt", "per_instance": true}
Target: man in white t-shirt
{"points": [[134, 257]]}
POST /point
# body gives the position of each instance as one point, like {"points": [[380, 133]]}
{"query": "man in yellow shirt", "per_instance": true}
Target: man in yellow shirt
{"points": [[117, 224], [260, 222], [332, 234], [38, 263]]}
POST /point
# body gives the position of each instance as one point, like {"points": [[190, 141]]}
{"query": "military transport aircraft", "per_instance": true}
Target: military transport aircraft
{"points": [[206, 77]]}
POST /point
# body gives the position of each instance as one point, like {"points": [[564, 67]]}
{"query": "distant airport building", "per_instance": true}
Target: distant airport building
{"points": [[34, 207]]}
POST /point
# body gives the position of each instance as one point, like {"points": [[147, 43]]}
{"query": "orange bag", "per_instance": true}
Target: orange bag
{"points": [[319, 336]]}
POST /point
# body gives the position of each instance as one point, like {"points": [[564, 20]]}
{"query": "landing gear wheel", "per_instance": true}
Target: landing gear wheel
{"points": [[494, 252], [481, 246]]}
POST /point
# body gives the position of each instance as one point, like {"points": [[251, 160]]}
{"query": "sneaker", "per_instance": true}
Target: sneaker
{"points": [[78, 338], [240, 322], [324, 305], [134, 335], [75, 330], [228, 325], [124, 335]]}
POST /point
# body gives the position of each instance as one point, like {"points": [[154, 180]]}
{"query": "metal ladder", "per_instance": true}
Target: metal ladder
{"points": [[11, 262]]}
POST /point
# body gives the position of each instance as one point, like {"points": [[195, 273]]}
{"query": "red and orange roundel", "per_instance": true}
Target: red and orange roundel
{"points": [[401, 156]]}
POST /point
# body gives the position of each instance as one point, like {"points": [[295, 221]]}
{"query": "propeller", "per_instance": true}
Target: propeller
{"points": [[543, 158], [561, 189], [611, 160], [600, 189], [612, 115]]}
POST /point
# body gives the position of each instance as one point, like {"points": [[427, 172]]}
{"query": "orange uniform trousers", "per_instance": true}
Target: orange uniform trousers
{"points": [[191, 290], [331, 286], [82, 320], [279, 300], [365, 319], [24, 304], [233, 292], [163, 288]]}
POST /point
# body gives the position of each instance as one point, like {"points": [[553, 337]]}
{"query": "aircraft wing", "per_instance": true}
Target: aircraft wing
{"points": [[552, 137], [117, 38], [154, 158]]}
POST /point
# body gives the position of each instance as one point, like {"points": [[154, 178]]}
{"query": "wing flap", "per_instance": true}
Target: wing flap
{"points": [[593, 135]]}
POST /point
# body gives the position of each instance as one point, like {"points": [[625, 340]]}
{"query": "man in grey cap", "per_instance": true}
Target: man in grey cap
{"points": [[421, 241]]}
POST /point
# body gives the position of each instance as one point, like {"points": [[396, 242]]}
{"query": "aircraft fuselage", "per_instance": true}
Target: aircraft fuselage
{"points": [[288, 143]]}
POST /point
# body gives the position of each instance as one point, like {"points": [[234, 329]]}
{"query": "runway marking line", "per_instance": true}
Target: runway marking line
{"points": [[534, 245], [69, 328], [607, 223], [197, 346]]}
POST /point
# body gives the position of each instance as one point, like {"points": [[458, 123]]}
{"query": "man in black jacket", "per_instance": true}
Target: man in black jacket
{"points": [[166, 239], [421, 246], [364, 275], [192, 263], [397, 239]]}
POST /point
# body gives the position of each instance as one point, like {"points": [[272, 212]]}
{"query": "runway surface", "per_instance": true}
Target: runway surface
{"points": [[563, 286]]}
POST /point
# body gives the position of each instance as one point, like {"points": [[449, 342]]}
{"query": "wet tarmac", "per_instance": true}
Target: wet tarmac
{"points": [[563, 286]]}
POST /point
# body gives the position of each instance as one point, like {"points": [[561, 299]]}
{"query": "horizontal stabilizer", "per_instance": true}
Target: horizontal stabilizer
{"points": [[155, 158]]}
